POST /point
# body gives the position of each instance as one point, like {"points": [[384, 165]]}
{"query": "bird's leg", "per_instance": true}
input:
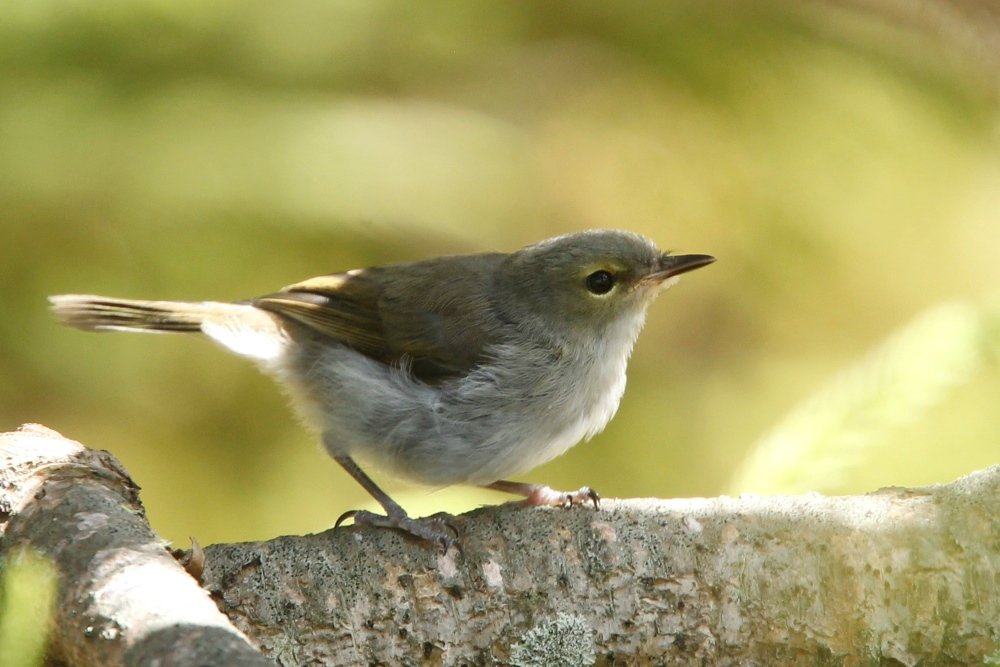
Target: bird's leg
{"points": [[539, 494], [431, 530]]}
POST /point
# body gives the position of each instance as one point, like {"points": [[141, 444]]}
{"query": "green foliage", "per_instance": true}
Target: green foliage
{"points": [[843, 168], [29, 583], [828, 435]]}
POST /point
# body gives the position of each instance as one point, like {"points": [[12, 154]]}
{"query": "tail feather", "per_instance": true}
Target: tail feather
{"points": [[95, 313], [240, 327]]}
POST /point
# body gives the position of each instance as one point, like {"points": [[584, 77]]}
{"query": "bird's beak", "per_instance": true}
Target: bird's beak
{"points": [[674, 265]]}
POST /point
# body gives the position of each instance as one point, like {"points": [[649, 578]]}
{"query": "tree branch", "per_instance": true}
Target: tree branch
{"points": [[123, 599], [906, 576]]}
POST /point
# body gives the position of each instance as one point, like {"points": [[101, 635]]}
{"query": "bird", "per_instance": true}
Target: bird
{"points": [[462, 369]]}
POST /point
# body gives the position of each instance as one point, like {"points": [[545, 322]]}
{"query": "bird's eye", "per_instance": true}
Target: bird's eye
{"points": [[600, 282]]}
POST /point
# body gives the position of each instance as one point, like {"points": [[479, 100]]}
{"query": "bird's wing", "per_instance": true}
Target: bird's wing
{"points": [[434, 318]]}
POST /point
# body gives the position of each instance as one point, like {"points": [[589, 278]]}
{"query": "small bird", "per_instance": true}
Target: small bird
{"points": [[463, 369]]}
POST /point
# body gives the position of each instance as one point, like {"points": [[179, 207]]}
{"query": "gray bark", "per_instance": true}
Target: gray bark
{"points": [[123, 599], [899, 576]]}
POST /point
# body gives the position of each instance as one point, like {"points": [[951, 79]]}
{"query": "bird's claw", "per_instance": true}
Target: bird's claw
{"points": [[432, 529], [580, 496], [544, 495], [585, 493]]}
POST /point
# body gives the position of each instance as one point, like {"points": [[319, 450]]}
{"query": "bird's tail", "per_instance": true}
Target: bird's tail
{"points": [[98, 313], [240, 327]]}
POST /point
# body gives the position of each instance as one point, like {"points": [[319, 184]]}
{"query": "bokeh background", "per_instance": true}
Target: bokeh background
{"points": [[840, 159]]}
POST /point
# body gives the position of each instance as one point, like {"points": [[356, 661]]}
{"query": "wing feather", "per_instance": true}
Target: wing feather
{"points": [[434, 316]]}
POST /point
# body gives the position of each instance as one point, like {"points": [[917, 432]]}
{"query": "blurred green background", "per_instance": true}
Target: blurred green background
{"points": [[842, 165]]}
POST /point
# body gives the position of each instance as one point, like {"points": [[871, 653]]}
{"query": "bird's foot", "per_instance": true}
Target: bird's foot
{"points": [[432, 529], [540, 494], [546, 495]]}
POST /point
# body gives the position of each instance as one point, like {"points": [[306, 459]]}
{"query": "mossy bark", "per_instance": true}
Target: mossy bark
{"points": [[899, 576]]}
